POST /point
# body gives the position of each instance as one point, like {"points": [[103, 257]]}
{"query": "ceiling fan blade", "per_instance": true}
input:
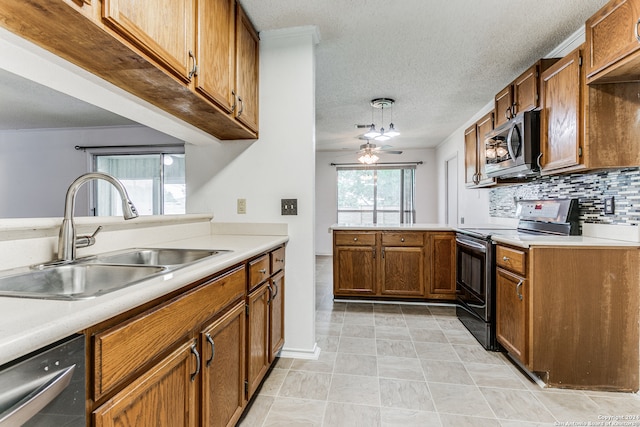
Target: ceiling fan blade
{"points": [[392, 152]]}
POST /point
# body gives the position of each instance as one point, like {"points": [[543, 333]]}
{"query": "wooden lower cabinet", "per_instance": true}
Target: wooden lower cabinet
{"points": [[276, 316], [511, 313], [223, 353], [394, 264], [257, 337], [163, 396], [402, 271]]}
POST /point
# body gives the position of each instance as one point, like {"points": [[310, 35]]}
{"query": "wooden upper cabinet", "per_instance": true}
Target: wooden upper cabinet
{"points": [[216, 51], [525, 91], [162, 29], [503, 105], [475, 154], [247, 63], [613, 43], [562, 117]]}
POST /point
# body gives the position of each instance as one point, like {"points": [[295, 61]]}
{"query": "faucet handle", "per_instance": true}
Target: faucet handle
{"points": [[84, 241]]}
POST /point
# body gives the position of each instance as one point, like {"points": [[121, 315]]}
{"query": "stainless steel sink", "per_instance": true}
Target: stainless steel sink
{"points": [[74, 281], [168, 257]]}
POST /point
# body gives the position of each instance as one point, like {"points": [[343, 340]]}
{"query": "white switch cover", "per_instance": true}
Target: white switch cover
{"points": [[242, 206]]}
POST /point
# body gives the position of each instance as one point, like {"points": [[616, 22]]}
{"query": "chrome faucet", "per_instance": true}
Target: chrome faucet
{"points": [[67, 241]]}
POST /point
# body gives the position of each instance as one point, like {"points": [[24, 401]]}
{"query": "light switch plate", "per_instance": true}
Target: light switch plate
{"points": [[289, 206], [242, 206]]}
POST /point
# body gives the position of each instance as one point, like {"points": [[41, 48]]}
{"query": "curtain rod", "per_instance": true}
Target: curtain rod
{"points": [[89, 147], [376, 164]]}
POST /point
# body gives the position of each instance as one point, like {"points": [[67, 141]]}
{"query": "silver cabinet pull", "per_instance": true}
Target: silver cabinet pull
{"points": [[637, 35], [538, 160], [241, 107], [507, 113], [382, 252], [213, 348], [263, 271], [194, 70], [271, 295], [355, 239], [235, 103], [275, 294], [518, 286], [505, 258], [24, 411], [402, 239], [194, 351]]}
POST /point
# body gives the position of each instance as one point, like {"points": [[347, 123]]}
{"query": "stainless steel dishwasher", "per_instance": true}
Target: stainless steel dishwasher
{"points": [[46, 387]]}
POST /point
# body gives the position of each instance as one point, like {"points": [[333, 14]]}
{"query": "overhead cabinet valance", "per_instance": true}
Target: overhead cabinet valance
{"points": [[200, 67]]}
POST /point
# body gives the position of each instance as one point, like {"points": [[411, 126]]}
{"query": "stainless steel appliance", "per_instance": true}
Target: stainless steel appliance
{"points": [[512, 150], [45, 388], [475, 261]]}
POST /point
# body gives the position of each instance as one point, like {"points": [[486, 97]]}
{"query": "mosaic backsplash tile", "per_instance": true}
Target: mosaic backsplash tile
{"points": [[590, 189]]}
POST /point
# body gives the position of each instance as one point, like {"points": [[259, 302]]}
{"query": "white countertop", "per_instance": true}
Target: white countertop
{"points": [[29, 324], [399, 227], [524, 240]]}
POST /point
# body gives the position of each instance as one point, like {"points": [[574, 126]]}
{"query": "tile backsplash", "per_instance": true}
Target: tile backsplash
{"points": [[590, 189]]}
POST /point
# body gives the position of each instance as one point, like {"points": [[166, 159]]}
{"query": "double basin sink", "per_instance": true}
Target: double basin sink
{"points": [[96, 275]]}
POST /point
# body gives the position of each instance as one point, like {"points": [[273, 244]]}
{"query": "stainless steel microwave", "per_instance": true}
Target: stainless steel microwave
{"points": [[512, 149]]}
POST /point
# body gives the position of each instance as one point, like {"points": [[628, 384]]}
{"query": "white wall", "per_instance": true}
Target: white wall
{"points": [[37, 166], [326, 184], [278, 165]]}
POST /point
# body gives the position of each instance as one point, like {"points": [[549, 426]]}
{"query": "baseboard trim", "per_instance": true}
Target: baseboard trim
{"points": [[297, 353]]}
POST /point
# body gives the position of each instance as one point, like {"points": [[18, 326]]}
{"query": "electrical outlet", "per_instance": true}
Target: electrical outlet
{"points": [[609, 206], [289, 206], [242, 206]]}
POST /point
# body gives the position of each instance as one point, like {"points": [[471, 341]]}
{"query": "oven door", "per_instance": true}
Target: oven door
{"points": [[473, 275]]}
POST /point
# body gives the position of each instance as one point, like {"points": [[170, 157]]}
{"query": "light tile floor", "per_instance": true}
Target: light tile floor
{"points": [[413, 365]]}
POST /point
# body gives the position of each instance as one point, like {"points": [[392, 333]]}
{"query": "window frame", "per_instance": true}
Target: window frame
{"points": [[402, 212]]}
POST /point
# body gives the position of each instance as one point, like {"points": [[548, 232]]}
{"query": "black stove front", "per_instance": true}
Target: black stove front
{"points": [[475, 286]]}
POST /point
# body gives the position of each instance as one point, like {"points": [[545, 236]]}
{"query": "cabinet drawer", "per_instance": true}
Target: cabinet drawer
{"points": [[355, 239], [259, 271], [511, 259], [277, 260], [124, 349], [403, 239]]}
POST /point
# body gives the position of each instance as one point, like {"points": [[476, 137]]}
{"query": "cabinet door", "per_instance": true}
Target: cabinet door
{"points": [[223, 397], [443, 269], [216, 51], [402, 271], [163, 29], [258, 337], [276, 316], [612, 35], [503, 106], [471, 156], [562, 116], [163, 396], [525, 91], [354, 270], [511, 313], [247, 51], [484, 125]]}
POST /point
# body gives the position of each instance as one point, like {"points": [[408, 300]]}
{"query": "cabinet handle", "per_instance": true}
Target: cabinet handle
{"points": [[213, 349], [538, 160], [505, 258], [235, 103], [355, 239], [275, 293], [279, 260], [194, 351], [382, 252], [507, 113], [194, 70], [402, 239], [270, 294], [374, 252], [637, 35], [241, 107], [263, 271], [518, 286]]}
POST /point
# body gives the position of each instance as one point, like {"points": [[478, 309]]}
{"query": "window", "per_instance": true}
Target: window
{"points": [[376, 195], [155, 183]]}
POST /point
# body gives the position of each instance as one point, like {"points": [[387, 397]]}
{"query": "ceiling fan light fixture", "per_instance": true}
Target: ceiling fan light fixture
{"points": [[368, 158]]}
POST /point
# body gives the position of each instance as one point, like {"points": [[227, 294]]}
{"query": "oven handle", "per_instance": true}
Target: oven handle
{"points": [[471, 245], [24, 410]]}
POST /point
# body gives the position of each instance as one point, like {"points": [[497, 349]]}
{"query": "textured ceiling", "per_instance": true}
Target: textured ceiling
{"points": [[442, 61]]}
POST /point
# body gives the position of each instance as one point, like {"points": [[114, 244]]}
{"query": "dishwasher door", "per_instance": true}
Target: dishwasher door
{"points": [[46, 387]]}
